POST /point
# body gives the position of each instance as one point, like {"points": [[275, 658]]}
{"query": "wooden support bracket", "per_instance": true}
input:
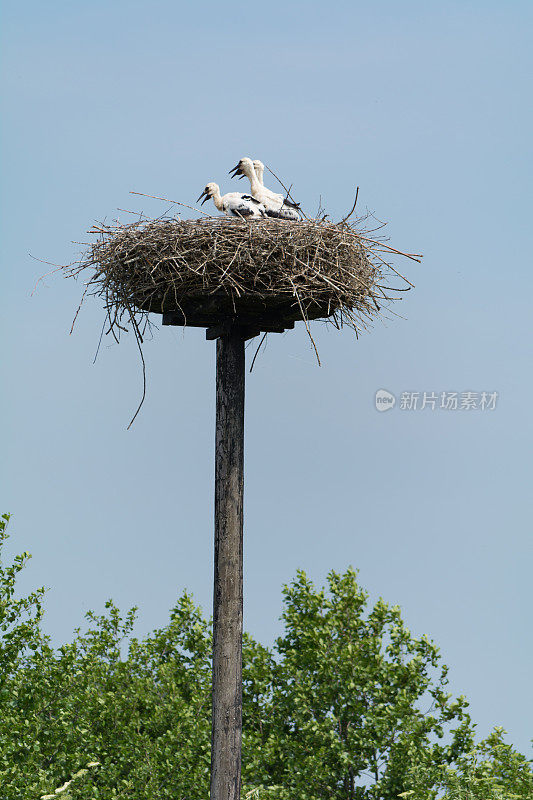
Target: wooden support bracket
{"points": [[245, 331], [248, 326]]}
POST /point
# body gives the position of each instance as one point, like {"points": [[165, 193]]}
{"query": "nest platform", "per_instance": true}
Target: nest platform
{"points": [[263, 275]]}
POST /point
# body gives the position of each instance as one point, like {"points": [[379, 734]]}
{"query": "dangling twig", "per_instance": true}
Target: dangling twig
{"points": [[257, 351], [78, 309], [100, 340], [138, 339], [304, 315]]}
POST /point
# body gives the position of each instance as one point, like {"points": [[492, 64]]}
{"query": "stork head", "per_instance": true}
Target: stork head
{"points": [[211, 189], [244, 167]]}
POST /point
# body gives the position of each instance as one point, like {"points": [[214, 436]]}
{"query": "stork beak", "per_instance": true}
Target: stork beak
{"points": [[235, 170], [201, 197], [206, 198]]}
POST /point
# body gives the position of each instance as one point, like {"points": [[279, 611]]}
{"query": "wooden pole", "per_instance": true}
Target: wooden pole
{"points": [[227, 594]]}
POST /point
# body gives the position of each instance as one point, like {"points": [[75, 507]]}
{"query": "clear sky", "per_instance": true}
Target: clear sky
{"points": [[426, 106]]}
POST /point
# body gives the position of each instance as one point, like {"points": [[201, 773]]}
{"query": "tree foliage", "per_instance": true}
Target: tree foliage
{"points": [[353, 699], [347, 703], [493, 770]]}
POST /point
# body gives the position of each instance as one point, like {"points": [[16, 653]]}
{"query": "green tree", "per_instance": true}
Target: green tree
{"points": [[144, 716], [346, 704], [349, 700]]}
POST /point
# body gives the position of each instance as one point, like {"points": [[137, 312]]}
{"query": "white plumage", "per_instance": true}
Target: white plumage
{"points": [[276, 205], [259, 168], [234, 204]]}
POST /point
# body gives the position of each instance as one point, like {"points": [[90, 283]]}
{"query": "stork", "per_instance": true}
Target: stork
{"points": [[234, 204], [276, 205]]}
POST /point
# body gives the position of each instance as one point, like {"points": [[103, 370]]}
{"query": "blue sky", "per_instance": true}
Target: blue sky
{"points": [[426, 107]]}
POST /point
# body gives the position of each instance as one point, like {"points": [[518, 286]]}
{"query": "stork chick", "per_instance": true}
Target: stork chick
{"points": [[276, 205], [234, 204]]}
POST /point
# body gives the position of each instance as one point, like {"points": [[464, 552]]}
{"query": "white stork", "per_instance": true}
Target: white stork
{"points": [[276, 205], [234, 204]]}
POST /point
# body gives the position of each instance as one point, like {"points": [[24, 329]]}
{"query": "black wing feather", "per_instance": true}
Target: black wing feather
{"points": [[251, 199], [242, 211], [291, 204]]}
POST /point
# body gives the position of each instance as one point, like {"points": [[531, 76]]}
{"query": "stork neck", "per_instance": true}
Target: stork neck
{"points": [[252, 177], [217, 200]]}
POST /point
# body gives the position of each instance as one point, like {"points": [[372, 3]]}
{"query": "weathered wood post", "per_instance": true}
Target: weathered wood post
{"points": [[228, 577]]}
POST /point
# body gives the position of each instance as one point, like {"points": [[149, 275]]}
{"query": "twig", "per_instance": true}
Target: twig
{"points": [[412, 256], [304, 315], [100, 341], [135, 213], [46, 274], [78, 309], [174, 202], [138, 339], [257, 351], [387, 264], [353, 207]]}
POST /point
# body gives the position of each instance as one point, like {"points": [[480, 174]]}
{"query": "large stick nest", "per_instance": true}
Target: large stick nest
{"points": [[258, 272]]}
